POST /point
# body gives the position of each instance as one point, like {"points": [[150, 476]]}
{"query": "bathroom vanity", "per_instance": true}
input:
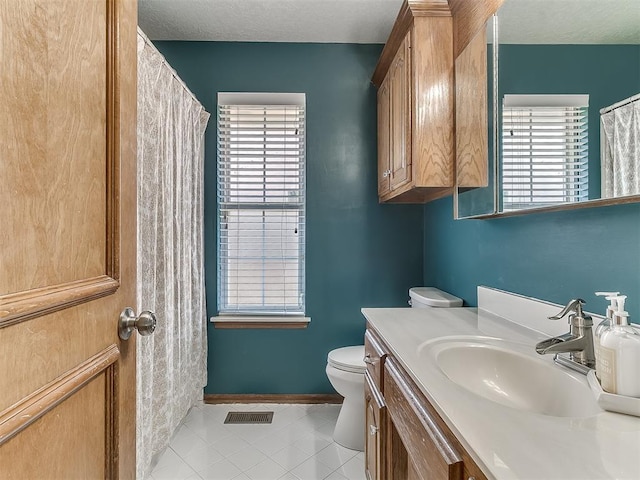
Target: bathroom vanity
{"points": [[461, 394], [405, 436]]}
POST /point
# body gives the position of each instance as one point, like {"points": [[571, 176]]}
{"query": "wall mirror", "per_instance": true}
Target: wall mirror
{"points": [[567, 123]]}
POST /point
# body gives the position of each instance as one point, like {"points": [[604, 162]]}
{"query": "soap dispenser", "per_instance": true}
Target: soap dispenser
{"points": [[603, 326], [620, 354]]}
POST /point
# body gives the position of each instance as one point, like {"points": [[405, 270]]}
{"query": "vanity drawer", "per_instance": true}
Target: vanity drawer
{"points": [[433, 455], [374, 355]]}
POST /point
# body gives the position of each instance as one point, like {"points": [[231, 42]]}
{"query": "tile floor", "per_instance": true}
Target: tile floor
{"points": [[296, 446]]}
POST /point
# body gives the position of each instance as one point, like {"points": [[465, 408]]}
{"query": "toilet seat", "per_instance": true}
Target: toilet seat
{"points": [[348, 359]]}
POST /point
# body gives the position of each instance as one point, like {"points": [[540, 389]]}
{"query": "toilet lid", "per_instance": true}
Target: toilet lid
{"points": [[349, 359], [434, 297]]}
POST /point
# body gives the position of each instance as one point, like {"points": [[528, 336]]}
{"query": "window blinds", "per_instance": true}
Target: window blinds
{"points": [[261, 204], [544, 150]]}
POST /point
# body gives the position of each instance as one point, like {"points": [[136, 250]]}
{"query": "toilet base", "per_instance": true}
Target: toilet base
{"points": [[349, 431]]}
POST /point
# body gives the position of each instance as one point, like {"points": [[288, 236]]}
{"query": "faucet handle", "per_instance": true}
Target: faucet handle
{"points": [[574, 305]]}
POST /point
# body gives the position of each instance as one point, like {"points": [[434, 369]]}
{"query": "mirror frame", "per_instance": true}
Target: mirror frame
{"points": [[494, 76]]}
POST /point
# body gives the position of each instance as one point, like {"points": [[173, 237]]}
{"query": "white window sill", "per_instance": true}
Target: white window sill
{"points": [[256, 321]]}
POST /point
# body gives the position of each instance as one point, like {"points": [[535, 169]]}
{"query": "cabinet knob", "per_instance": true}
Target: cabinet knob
{"points": [[386, 173], [373, 430], [367, 359]]}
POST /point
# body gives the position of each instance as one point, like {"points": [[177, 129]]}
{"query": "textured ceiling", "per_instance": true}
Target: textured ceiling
{"points": [[370, 21], [570, 21], [323, 21]]}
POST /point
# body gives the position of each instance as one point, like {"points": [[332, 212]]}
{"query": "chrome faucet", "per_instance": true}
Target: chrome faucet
{"points": [[578, 342]]}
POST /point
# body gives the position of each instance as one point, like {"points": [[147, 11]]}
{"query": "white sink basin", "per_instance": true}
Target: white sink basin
{"points": [[508, 374]]}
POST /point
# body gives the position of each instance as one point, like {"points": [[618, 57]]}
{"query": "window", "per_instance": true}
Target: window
{"points": [[544, 150], [261, 204]]}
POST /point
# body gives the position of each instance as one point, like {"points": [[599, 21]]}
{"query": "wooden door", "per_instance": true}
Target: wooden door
{"points": [[384, 134], [67, 238], [401, 116]]}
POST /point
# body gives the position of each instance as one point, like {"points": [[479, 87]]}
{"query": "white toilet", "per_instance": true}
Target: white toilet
{"points": [[346, 367]]}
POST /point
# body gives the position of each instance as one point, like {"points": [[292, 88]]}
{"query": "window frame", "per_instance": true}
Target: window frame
{"points": [[281, 316]]}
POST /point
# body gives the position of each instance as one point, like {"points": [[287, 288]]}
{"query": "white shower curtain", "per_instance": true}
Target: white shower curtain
{"points": [[172, 361], [620, 157]]}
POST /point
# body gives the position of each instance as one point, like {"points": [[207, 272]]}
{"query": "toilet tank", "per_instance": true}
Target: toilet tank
{"points": [[425, 297]]}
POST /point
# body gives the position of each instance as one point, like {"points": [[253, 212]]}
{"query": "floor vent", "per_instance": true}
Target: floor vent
{"points": [[248, 417]]}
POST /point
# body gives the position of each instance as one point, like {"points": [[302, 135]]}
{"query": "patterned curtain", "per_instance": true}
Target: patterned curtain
{"points": [[172, 361], [620, 158]]}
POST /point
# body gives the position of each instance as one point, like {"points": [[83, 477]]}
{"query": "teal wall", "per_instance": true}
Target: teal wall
{"points": [[359, 253], [553, 256], [608, 73]]}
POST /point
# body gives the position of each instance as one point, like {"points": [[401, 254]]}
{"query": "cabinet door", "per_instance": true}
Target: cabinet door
{"points": [[374, 412], [432, 456], [384, 133], [472, 120], [400, 87]]}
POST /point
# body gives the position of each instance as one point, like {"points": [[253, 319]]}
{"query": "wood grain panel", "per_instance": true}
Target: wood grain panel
{"points": [[410, 194], [384, 137], [46, 441], [57, 203], [44, 109], [413, 473], [397, 460], [123, 217], [68, 135], [120, 89], [90, 388], [472, 154], [468, 18], [375, 448], [433, 103], [427, 446], [400, 87], [408, 11]]}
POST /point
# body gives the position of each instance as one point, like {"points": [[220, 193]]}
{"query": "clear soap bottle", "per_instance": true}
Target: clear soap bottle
{"points": [[620, 355], [603, 326]]}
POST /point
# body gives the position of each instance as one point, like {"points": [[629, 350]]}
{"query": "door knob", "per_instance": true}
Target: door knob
{"points": [[145, 323]]}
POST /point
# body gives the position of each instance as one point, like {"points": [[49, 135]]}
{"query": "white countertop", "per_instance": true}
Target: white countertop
{"points": [[507, 443]]}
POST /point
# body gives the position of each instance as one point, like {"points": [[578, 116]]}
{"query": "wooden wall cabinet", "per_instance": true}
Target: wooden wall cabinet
{"points": [[406, 438], [394, 128], [420, 156], [416, 106]]}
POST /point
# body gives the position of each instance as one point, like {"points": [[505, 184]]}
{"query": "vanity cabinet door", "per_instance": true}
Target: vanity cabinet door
{"points": [[431, 455], [375, 411]]}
